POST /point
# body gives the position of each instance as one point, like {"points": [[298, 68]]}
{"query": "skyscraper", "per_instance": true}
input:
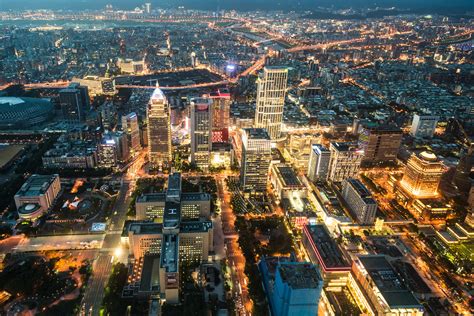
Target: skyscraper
{"points": [[345, 161], [256, 158], [271, 92], [75, 102], [318, 162], [159, 131], [220, 115], [201, 132], [130, 127], [422, 175], [423, 126]]}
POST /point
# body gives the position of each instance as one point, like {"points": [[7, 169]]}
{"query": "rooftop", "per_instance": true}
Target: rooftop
{"points": [[256, 133], [344, 146], [359, 187], [36, 185], [169, 252], [393, 290], [288, 175], [326, 248], [195, 226], [300, 275]]}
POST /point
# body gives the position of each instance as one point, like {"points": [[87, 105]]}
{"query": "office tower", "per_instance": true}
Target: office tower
{"points": [[380, 144], [256, 158], [159, 131], [113, 149], [387, 292], [201, 132], [359, 200], [292, 288], [271, 92], [318, 165], [75, 102], [422, 175], [220, 115], [132, 130], [345, 161], [147, 8], [423, 126]]}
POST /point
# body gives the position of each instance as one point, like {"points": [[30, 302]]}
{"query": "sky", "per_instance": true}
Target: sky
{"points": [[464, 5]]}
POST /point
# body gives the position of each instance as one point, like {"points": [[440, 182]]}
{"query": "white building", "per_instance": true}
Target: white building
{"points": [[318, 166], [423, 126], [345, 161], [359, 200], [271, 92]]}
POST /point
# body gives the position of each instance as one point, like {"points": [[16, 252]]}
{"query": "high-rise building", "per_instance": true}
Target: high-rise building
{"points": [[345, 161], [422, 175], [380, 144], [318, 162], [201, 132], [75, 102], [359, 200], [159, 131], [132, 130], [256, 158], [113, 149], [423, 126], [271, 92], [220, 115]]}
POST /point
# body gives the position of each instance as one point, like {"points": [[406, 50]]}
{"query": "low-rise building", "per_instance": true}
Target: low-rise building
{"points": [[37, 195], [386, 291], [360, 201]]}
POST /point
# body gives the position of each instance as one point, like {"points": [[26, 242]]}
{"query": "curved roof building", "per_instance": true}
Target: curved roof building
{"points": [[17, 113]]}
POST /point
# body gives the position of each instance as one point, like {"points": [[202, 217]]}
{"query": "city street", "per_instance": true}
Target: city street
{"points": [[103, 265], [234, 254]]}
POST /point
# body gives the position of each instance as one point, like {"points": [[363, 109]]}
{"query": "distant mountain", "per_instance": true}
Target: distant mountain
{"points": [[243, 5]]}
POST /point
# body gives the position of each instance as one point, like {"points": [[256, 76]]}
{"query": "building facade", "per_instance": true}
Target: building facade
{"points": [[271, 93], [359, 200], [318, 166], [422, 175], [201, 132], [256, 158], [423, 126], [74, 102], [131, 128], [380, 144], [345, 161], [220, 115], [159, 131]]}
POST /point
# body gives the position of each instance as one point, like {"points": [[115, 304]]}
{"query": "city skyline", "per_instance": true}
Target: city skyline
{"points": [[189, 158]]}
